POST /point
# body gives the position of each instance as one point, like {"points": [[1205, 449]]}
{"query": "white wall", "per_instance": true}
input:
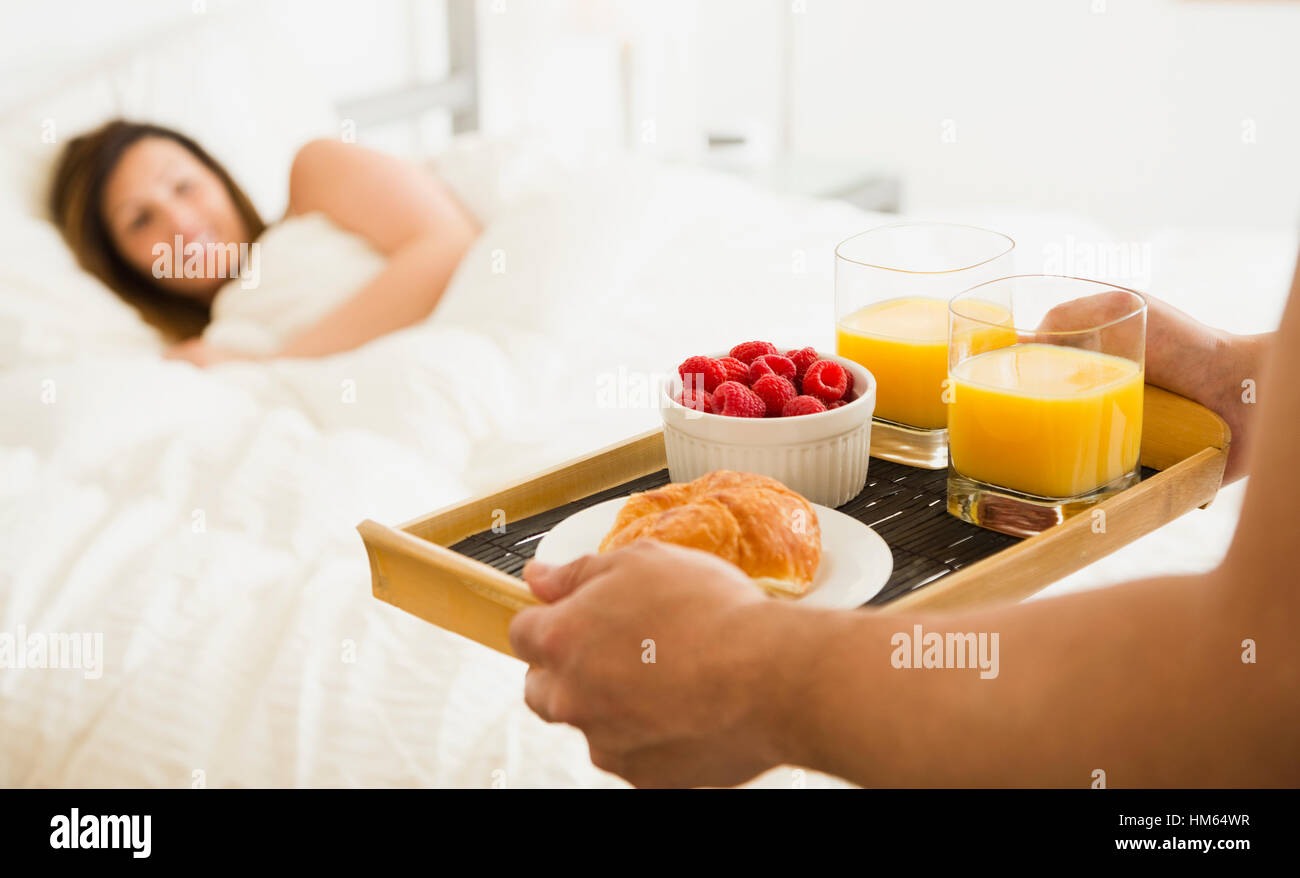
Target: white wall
{"points": [[599, 74], [1142, 112]]}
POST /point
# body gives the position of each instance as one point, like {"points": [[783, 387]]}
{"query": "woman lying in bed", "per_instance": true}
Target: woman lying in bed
{"points": [[127, 192]]}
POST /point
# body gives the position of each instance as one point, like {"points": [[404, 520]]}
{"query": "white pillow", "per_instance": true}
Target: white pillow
{"points": [[223, 80], [51, 310]]}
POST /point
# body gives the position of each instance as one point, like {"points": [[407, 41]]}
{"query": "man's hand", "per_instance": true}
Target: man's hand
{"points": [[1183, 355], [660, 655], [201, 354]]}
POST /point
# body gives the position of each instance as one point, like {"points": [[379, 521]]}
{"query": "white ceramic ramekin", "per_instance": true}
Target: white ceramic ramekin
{"points": [[822, 456]]}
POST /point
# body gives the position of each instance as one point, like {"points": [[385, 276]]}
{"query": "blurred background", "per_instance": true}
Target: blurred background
{"points": [[1139, 114]]}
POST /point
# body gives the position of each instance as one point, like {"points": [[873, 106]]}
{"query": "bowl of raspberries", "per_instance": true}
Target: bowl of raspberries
{"points": [[794, 414]]}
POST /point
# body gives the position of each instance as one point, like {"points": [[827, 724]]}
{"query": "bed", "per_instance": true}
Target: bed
{"points": [[202, 521]]}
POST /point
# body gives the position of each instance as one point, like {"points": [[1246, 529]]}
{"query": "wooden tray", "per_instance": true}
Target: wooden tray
{"points": [[453, 569]]}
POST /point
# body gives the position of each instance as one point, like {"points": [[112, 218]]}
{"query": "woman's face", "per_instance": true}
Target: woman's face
{"points": [[160, 190]]}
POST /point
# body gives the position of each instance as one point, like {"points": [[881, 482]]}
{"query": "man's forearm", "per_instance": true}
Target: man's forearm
{"points": [[1143, 682]]}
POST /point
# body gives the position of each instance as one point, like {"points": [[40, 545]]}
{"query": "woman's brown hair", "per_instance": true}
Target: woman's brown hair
{"points": [[75, 203]]}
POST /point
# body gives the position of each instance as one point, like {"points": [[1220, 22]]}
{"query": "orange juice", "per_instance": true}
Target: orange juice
{"points": [[904, 343], [1046, 420]]}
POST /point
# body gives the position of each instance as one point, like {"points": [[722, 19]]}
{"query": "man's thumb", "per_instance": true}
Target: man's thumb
{"points": [[550, 582]]}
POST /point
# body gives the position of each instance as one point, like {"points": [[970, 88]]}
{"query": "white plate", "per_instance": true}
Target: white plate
{"points": [[855, 564]]}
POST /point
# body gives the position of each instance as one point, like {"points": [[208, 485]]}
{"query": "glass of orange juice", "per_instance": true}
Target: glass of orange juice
{"points": [[892, 287], [1049, 422]]}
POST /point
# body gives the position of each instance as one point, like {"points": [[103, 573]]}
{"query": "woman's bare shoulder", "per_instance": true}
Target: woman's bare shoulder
{"points": [[386, 199], [316, 169]]}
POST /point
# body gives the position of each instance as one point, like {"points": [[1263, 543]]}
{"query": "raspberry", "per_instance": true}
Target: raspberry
{"points": [[736, 370], [700, 400], [702, 371], [771, 364], [848, 386], [747, 351], [802, 358], [737, 401], [837, 404], [802, 405], [826, 380], [775, 391]]}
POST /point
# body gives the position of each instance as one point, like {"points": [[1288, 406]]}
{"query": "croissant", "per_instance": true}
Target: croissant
{"points": [[753, 521]]}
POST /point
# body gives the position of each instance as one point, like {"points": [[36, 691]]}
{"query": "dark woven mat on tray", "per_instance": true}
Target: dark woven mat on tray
{"points": [[907, 506]]}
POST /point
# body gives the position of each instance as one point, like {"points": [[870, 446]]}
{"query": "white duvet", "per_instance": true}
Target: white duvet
{"points": [[202, 521]]}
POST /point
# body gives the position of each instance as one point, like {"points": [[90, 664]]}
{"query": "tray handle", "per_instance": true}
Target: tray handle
{"points": [[442, 586]]}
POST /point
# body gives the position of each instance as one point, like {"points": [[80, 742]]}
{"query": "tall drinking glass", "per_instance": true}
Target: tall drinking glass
{"points": [[892, 287], [1049, 423]]}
